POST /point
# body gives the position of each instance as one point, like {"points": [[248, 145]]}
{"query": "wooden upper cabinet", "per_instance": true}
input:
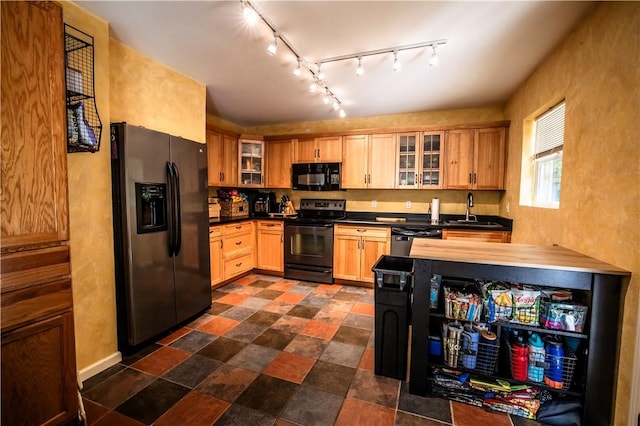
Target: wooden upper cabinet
{"points": [[34, 148], [489, 157], [355, 164], [278, 157], [329, 149], [365, 161], [319, 150], [222, 155], [475, 159], [459, 159], [382, 148]]}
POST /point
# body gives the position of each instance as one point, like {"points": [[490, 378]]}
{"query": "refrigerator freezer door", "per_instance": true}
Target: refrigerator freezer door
{"points": [[149, 269], [193, 279]]}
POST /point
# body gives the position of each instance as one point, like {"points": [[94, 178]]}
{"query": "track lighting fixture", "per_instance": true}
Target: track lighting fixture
{"points": [[360, 69], [273, 47], [336, 105], [433, 61], [342, 113], [396, 64], [313, 87]]}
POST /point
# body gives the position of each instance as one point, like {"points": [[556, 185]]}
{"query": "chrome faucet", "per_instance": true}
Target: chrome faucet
{"points": [[467, 216]]}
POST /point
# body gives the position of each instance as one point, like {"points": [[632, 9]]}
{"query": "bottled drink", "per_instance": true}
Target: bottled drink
{"points": [[519, 359], [536, 358], [554, 359]]}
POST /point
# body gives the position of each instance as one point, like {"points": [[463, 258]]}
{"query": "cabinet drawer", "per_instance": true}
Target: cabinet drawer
{"points": [[270, 225], [27, 304], [238, 265], [361, 231], [471, 235], [237, 228], [234, 244], [215, 231], [25, 268]]}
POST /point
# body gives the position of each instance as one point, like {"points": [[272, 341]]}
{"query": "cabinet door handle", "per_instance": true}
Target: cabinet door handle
{"points": [[470, 181], [221, 244], [238, 243], [222, 176], [361, 230], [238, 226], [475, 178], [270, 225], [282, 238], [238, 264], [421, 178], [369, 182]]}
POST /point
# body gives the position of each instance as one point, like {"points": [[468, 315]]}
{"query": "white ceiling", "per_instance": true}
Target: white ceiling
{"points": [[492, 48]]}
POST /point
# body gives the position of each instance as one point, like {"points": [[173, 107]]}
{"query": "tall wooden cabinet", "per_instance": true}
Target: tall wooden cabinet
{"points": [[222, 159], [38, 348], [475, 159]]}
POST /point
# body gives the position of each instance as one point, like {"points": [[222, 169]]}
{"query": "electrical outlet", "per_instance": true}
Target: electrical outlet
{"points": [[508, 207], [374, 204], [408, 204]]}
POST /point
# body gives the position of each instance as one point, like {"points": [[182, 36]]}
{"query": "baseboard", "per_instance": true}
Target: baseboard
{"points": [[98, 367], [634, 403]]}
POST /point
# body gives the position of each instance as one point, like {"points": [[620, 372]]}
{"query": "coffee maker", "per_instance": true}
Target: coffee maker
{"points": [[265, 203]]}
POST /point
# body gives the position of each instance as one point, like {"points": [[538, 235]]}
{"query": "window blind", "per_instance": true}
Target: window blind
{"points": [[550, 132]]}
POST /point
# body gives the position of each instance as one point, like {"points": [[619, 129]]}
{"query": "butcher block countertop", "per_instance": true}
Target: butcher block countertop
{"points": [[522, 255]]}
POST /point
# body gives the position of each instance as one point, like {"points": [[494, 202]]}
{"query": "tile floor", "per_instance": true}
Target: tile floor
{"points": [[270, 351]]}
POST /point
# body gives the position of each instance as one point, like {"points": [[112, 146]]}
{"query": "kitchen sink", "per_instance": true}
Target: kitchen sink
{"points": [[473, 223]]}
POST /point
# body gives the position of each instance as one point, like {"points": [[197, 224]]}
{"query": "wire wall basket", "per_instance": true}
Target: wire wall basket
{"points": [[84, 127]]}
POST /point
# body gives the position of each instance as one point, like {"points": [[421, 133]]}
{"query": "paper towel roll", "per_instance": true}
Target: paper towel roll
{"points": [[435, 211]]}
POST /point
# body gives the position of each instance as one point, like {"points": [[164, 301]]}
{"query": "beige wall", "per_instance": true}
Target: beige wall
{"points": [[426, 118], [149, 94], [132, 88], [596, 69], [90, 220]]}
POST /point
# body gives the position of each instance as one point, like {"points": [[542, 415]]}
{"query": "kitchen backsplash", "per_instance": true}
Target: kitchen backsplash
{"points": [[395, 200]]}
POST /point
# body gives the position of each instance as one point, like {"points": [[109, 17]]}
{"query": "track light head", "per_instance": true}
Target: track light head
{"points": [[298, 69], [342, 113], [249, 13], [313, 87], [320, 74], [396, 64], [360, 69], [273, 47], [433, 61]]}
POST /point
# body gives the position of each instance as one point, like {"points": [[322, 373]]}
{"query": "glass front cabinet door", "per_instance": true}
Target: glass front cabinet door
{"points": [[251, 163], [418, 160]]}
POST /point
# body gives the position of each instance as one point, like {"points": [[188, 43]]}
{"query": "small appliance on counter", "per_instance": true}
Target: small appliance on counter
{"points": [[265, 203]]}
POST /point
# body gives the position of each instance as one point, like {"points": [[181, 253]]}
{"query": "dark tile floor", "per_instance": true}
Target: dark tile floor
{"points": [[269, 352]]}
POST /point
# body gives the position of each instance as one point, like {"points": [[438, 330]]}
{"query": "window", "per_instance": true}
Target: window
{"points": [[547, 157]]}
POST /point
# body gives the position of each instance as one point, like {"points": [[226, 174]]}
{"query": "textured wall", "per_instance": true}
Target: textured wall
{"points": [[90, 218], [596, 69], [427, 118], [147, 93]]}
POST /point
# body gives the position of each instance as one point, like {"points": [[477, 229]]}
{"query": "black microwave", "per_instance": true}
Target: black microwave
{"points": [[315, 176]]}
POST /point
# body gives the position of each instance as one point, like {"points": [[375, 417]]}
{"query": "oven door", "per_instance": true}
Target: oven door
{"points": [[308, 244], [308, 252]]}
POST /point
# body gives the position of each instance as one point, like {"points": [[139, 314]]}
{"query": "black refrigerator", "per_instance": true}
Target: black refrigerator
{"points": [[161, 238]]}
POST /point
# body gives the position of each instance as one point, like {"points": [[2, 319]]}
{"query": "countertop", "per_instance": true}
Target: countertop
{"points": [[411, 220], [523, 255]]}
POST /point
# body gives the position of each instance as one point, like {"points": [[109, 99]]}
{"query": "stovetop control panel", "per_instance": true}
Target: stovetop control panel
{"points": [[326, 205]]}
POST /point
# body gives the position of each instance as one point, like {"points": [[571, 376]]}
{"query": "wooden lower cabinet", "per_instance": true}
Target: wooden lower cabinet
{"points": [[40, 387], [356, 249], [38, 347], [232, 250], [215, 254], [476, 235], [270, 239]]}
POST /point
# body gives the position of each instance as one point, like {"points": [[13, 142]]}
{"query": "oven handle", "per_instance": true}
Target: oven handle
{"points": [[315, 225]]}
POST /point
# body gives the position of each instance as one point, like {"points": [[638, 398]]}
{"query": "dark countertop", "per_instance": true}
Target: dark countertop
{"points": [[412, 220]]}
